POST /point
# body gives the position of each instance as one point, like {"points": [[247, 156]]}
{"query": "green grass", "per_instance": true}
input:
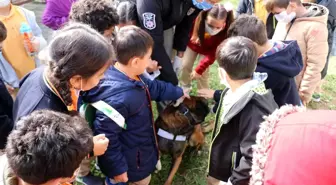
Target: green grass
{"points": [[193, 169]]}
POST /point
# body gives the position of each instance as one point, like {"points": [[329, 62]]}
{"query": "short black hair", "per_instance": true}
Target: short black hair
{"points": [[48, 145], [132, 41], [251, 27], [99, 14], [127, 12], [238, 56], [3, 32]]}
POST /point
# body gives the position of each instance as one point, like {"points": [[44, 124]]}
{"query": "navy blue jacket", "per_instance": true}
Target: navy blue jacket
{"points": [[34, 94], [6, 116], [133, 150], [281, 68]]}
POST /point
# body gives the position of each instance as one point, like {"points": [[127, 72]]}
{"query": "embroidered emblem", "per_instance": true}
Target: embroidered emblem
{"points": [[190, 11], [149, 20]]}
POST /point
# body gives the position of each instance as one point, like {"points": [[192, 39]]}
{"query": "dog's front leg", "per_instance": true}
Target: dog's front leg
{"points": [[174, 168]]}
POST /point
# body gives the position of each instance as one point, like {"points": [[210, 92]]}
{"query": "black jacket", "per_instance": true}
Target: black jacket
{"points": [[6, 116], [247, 7], [155, 16], [231, 148]]}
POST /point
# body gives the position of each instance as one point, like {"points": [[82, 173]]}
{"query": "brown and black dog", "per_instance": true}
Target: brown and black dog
{"points": [[179, 127]]}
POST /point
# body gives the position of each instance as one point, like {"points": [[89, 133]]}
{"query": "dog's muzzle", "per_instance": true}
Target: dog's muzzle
{"points": [[192, 118]]}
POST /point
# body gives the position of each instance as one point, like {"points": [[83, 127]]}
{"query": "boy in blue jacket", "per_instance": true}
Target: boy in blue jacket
{"points": [[132, 153]]}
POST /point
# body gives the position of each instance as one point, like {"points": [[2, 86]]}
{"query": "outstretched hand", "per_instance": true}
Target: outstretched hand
{"points": [[206, 93], [153, 66]]}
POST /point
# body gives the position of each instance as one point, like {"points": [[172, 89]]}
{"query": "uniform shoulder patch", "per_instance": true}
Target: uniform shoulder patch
{"points": [[149, 20]]}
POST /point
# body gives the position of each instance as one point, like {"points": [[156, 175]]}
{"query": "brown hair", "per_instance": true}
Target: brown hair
{"points": [[3, 32], [238, 57], [251, 27], [132, 41], [77, 49], [271, 4], [219, 12]]}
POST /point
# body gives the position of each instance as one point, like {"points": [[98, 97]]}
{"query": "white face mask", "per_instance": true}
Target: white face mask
{"points": [[222, 77], [284, 17], [4, 3], [211, 31]]}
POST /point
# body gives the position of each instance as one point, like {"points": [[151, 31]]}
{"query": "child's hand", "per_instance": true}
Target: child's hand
{"points": [[195, 40], [206, 93], [100, 143], [10, 89], [186, 93], [121, 178], [153, 66], [194, 75]]}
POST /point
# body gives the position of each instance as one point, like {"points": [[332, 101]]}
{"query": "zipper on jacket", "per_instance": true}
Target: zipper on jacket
{"points": [[153, 123], [216, 120], [233, 160]]}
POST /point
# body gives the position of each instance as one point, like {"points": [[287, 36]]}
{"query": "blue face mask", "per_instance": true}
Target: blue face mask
{"points": [[203, 5]]}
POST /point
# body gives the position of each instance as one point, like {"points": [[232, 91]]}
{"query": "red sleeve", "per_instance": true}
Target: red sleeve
{"points": [[204, 64]]}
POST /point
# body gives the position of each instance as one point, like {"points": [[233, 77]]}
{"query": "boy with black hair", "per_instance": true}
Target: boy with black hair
{"points": [[282, 61], [306, 23], [99, 14], [243, 105], [132, 154], [46, 148]]}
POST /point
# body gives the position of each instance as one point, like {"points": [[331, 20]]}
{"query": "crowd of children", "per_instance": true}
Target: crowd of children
{"points": [[100, 57]]}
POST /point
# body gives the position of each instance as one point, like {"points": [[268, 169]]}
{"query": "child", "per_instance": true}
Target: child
{"points": [[13, 49], [6, 115], [7, 73], [56, 13], [331, 25], [257, 8], [294, 142], [72, 67], [243, 104], [210, 29], [306, 23], [132, 152], [46, 148], [127, 13], [282, 61], [99, 14]]}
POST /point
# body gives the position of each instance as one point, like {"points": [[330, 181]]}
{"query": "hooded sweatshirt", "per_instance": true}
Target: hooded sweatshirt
{"points": [[311, 33], [282, 63], [236, 126], [295, 146]]}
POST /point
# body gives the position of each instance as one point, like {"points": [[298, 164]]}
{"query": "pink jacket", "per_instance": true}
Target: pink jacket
{"points": [[295, 147]]}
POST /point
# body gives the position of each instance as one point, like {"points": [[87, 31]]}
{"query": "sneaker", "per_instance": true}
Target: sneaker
{"points": [[316, 98]]}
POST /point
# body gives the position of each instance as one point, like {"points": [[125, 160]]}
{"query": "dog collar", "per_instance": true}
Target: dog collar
{"points": [[170, 136], [185, 111]]}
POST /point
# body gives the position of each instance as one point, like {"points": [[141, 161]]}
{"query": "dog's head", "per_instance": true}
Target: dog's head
{"points": [[190, 111], [198, 108]]}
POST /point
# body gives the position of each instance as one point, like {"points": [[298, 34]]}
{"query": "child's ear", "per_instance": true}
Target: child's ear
{"points": [[134, 61]]}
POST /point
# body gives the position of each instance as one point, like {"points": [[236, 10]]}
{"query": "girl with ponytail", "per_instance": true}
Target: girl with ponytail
{"points": [[77, 58], [210, 29]]}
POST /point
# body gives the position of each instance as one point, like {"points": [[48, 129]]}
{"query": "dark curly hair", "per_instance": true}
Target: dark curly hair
{"points": [[48, 145], [77, 49], [99, 14]]}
